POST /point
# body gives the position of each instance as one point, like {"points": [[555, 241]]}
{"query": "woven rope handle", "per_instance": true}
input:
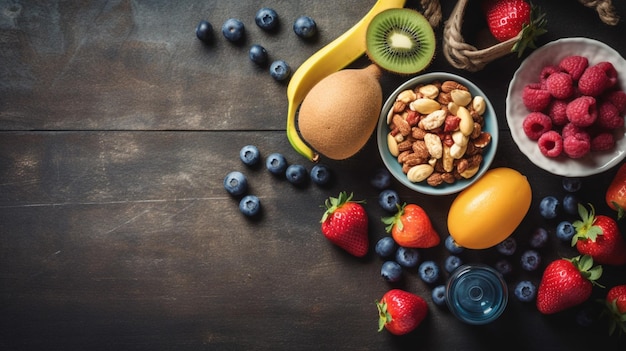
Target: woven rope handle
{"points": [[605, 10], [465, 56], [432, 11]]}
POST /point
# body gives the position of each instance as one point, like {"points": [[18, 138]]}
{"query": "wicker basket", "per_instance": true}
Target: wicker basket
{"points": [[465, 56]]}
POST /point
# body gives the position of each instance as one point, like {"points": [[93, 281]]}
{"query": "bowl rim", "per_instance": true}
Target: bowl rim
{"points": [[444, 189]]}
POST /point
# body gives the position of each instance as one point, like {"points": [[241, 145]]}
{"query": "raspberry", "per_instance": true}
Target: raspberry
{"points": [[571, 129], [609, 116], [550, 144], [535, 98], [618, 99], [556, 111], [546, 72], [582, 111], [535, 124], [593, 81], [560, 85], [574, 65], [575, 147], [610, 72], [602, 142]]}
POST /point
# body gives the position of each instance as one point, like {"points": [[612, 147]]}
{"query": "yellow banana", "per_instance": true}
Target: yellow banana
{"points": [[331, 58]]}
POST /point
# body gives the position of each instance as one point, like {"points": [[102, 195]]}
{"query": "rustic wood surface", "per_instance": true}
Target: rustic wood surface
{"points": [[117, 127]]}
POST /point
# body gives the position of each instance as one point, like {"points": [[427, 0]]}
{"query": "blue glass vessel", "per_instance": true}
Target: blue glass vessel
{"points": [[476, 294]]}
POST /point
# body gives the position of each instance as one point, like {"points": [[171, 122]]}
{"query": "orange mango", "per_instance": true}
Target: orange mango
{"points": [[488, 211]]}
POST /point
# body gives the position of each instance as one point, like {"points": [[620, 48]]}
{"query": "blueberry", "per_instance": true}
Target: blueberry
{"points": [[305, 27], [276, 164], [233, 30], [407, 257], [549, 207], [539, 238], [321, 174], [439, 295], [530, 260], [565, 231], [504, 267], [570, 204], [429, 271], [507, 246], [525, 291], [385, 247], [235, 183], [280, 70], [381, 179], [452, 246], [391, 271], [296, 174], [250, 155], [250, 205], [572, 185], [266, 18], [389, 199], [204, 32], [452, 262], [258, 55]]}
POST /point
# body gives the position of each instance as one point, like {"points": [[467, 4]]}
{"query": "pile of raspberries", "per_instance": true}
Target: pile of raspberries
{"points": [[574, 108]]}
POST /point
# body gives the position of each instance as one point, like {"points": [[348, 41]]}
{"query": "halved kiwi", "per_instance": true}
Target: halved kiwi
{"points": [[400, 41]]}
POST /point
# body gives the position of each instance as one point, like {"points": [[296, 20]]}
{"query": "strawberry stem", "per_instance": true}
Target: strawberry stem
{"points": [[585, 228], [384, 316], [585, 266], [530, 31], [395, 219]]}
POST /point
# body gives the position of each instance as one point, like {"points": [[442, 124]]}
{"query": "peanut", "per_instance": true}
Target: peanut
{"points": [[429, 91], [461, 97], [392, 144], [467, 123], [406, 96], [434, 145], [425, 106], [433, 120], [419, 173], [479, 105]]}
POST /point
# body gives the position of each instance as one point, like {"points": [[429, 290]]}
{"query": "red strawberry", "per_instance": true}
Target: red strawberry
{"points": [[616, 192], [566, 283], [411, 227], [616, 308], [508, 18], [598, 236], [400, 312], [345, 224]]}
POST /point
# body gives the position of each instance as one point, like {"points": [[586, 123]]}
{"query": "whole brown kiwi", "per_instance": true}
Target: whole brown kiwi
{"points": [[340, 113]]}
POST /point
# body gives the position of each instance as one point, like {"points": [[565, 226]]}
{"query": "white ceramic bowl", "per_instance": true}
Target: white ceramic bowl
{"points": [[528, 72], [395, 168]]}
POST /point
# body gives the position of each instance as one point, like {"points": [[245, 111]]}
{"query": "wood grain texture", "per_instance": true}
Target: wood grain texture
{"points": [[117, 127]]}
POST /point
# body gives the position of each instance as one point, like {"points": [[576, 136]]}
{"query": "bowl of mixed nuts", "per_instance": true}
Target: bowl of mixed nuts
{"points": [[437, 133]]}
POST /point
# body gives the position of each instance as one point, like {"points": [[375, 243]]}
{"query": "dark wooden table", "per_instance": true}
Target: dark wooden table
{"points": [[117, 127]]}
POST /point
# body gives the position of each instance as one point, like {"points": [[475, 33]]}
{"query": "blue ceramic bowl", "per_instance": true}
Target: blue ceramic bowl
{"points": [[395, 168]]}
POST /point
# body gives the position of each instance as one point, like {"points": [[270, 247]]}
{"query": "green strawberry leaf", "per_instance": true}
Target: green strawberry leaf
{"points": [[395, 219], [585, 228], [383, 314], [620, 210]]}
